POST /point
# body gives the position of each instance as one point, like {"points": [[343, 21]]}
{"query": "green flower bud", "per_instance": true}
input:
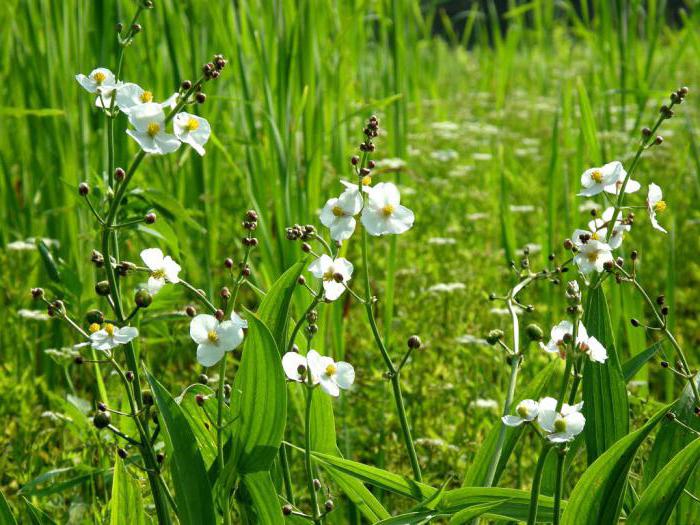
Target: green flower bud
{"points": [[534, 332], [143, 299], [494, 336]]}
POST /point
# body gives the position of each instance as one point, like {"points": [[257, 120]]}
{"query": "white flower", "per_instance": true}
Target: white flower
{"points": [[383, 213], [332, 376], [163, 269], [129, 96], [595, 180], [561, 426], [526, 410], [655, 204], [214, 339], [295, 366], [632, 185], [99, 81], [110, 336], [333, 272], [149, 121], [598, 229], [592, 256], [192, 130], [339, 213], [589, 345]]}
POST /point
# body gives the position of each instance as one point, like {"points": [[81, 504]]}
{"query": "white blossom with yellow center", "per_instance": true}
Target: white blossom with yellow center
{"points": [[99, 81], [586, 344], [562, 426], [592, 256], [149, 129], [110, 336], [339, 213], [655, 204], [598, 229], [215, 338], [631, 187], [334, 273], [330, 375], [130, 96], [595, 180], [384, 213], [163, 269], [525, 411], [192, 130]]}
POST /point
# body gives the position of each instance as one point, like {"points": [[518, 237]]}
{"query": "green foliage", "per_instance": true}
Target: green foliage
{"points": [[126, 505]]}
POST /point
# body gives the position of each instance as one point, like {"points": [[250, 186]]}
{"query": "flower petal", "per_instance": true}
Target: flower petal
{"points": [[209, 355], [200, 326], [291, 362], [344, 375]]}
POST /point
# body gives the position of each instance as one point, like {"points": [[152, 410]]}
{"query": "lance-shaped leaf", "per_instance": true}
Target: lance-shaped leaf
{"points": [[126, 506]]}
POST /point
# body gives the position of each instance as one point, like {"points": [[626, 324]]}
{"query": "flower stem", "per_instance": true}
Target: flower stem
{"points": [[307, 457], [220, 433], [536, 482], [559, 485]]}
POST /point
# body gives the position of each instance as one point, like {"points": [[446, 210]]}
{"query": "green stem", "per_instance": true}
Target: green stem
{"points": [[220, 432], [559, 485], [536, 482], [307, 457]]}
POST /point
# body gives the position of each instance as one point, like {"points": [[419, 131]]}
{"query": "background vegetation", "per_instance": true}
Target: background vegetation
{"points": [[494, 115]]}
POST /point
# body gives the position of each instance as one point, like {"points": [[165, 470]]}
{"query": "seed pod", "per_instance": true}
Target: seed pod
{"points": [[101, 420]]}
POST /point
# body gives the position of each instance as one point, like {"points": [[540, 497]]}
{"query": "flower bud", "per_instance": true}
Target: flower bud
{"points": [[219, 314], [317, 484], [203, 379], [143, 299], [658, 140], [305, 247], [186, 85], [338, 277], [312, 316], [634, 322], [78, 360], [228, 263], [200, 98], [301, 280], [83, 189], [101, 420], [568, 244], [94, 317], [102, 288], [664, 364], [328, 505], [355, 160], [129, 376], [414, 342], [101, 407], [147, 396], [494, 336], [119, 174], [634, 255], [225, 293], [37, 293], [119, 27], [150, 218], [246, 271], [287, 510], [160, 457], [136, 28], [122, 453], [191, 311], [97, 259], [660, 300], [664, 310], [534, 332]]}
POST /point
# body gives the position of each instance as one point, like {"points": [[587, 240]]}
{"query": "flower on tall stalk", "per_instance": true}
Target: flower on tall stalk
{"points": [[100, 81], [339, 213], [631, 187], [526, 411], [561, 336], [562, 426], [334, 273], [109, 336], [149, 122], [128, 96], [330, 375], [384, 213], [295, 366], [192, 130], [598, 229], [215, 338], [595, 180], [163, 269], [655, 204], [592, 256]]}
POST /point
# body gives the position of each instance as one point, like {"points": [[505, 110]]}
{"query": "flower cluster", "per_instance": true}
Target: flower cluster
{"points": [[558, 426], [561, 337]]}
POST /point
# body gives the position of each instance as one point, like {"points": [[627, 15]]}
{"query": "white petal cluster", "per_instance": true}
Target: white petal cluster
{"points": [[334, 273], [110, 336], [596, 180], [338, 214], [384, 213], [215, 338], [559, 427], [561, 336], [655, 204], [320, 370], [163, 269]]}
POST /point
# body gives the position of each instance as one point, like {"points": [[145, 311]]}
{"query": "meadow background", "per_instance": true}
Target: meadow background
{"points": [[493, 108]]}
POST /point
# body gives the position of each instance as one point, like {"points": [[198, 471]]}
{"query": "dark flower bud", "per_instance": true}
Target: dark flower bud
{"points": [[94, 317], [186, 85], [200, 98], [78, 360], [160, 457], [697, 411], [287, 510], [305, 247], [567, 338], [129, 376], [199, 399], [251, 215], [620, 262], [646, 133], [670, 416], [219, 314], [658, 140], [203, 379], [328, 505], [150, 218], [534, 332], [664, 364], [355, 160], [414, 342], [301, 280], [83, 189], [101, 420], [492, 296], [634, 255], [225, 293], [119, 174], [338, 277], [228, 263], [317, 484], [371, 164], [215, 74], [634, 322], [301, 369], [683, 92], [660, 300], [568, 244], [97, 259], [143, 299], [246, 271], [494, 336], [312, 316], [253, 241], [102, 288], [122, 453], [119, 27], [312, 328], [364, 171], [37, 293], [664, 310], [191, 311], [608, 266], [101, 407], [147, 396], [136, 28]]}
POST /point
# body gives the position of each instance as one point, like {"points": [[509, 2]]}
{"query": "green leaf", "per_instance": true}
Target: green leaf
{"points": [[588, 125], [660, 498], [50, 264], [468, 514], [362, 498], [266, 504], [15, 112], [274, 308], [598, 495], [6, 516], [411, 518], [669, 440], [192, 489], [510, 504], [604, 387], [262, 411], [126, 506], [37, 516], [203, 430], [476, 473], [636, 362]]}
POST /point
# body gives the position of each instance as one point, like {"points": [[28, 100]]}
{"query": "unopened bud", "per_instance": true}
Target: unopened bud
{"points": [[287, 510], [147, 397], [219, 314], [494, 336], [328, 505], [102, 288], [225, 293], [634, 322], [101, 420], [129, 376], [414, 342], [317, 484], [150, 218], [83, 189], [119, 174], [534, 332], [186, 85], [143, 299], [122, 453], [200, 98], [191, 311], [37, 293], [199, 399], [568, 244]]}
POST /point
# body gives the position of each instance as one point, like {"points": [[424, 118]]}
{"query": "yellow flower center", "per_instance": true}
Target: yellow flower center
{"points": [[146, 96], [597, 176], [592, 256], [328, 275], [560, 425], [594, 236], [192, 124], [338, 211], [213, 336], [158, 274], [153, 129], [387, 210], [331, 369], [109, 328], [366, 180], [522, 411], [99, 78], [660, 207], [94, 327]]}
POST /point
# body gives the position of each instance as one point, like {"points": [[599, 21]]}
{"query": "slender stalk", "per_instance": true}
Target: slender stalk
{"points": [[536, 482], [559, 485], [307, 458], [220, 432]]}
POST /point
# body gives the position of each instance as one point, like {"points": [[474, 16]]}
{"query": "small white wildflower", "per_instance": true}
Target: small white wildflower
{"points": [[391, 164], [215, 338], [338, 214], [595, 180], [110, 336], [334, 273], [561, 426], [442, 241], [592, 256], [483, 157], [330, 375], [598, 229], [486, 404], [163, 269], [384, 213], [99, 81], [614, 188], [444, 155], [526, 411], [34, 315], [655, 204], [586, 344], [446, 288], [192, 130], [149, 123]]}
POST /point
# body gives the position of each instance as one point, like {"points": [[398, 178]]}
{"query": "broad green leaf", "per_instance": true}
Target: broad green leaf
{"points": [[54, 482], [476, 473], [669, 440], [635, 363], [262, 411], [660, 498], [192, 489], [15, 112], [598, 495], [37, 516], [362, 498], [468, 514], [511, 504], [266, 504], [203, 430], [6, 516], [604, 388], [274, 308], [126, 506], [411, 518], [588, 125]]}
